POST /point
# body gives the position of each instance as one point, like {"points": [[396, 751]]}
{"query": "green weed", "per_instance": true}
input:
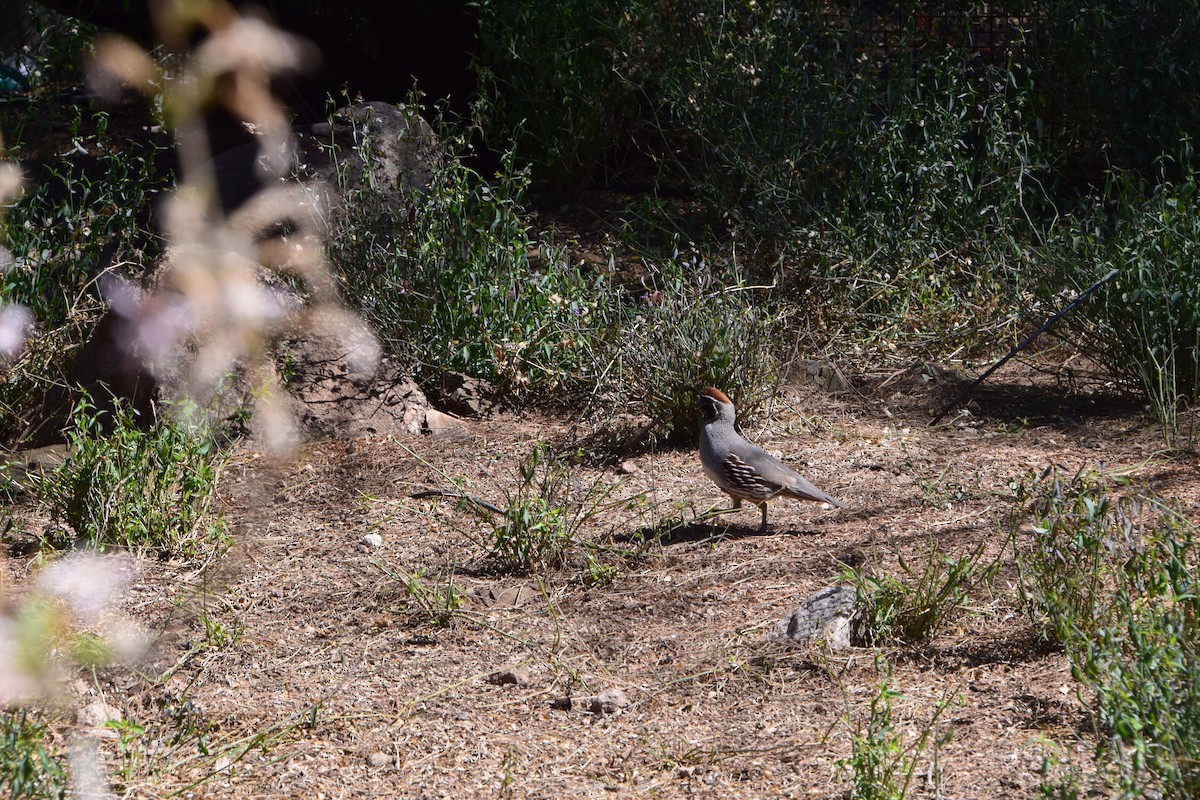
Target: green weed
{"points": [[28, 769], [536, 529], [1115, 579], [142, 489], [881, 765], [915, 607]]}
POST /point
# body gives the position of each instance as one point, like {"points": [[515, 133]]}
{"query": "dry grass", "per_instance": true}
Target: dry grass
{"points": [[334, 665]]}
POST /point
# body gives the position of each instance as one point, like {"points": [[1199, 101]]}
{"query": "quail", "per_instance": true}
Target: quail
{"points": [[742, 470]]}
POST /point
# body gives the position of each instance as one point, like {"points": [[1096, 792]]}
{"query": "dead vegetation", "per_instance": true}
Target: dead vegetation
{"points": [[311, 661]]}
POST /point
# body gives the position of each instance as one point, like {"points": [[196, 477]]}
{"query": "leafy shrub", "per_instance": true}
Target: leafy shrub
{"points": [[889, 187], [880, 765], [543, 519], [83, 213], [916, 607], [456, 289], [1135, 107], [550, 73], [133, 488], [1115, 578], [1143, 325], [27, 767], [690, 331]]}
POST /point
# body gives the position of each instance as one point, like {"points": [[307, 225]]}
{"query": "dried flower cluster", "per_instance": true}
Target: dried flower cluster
{"points": [[219, 298]]}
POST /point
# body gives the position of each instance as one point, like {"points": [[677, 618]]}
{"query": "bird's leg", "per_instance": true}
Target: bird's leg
{"points": [[737, 503], [763, 527]]}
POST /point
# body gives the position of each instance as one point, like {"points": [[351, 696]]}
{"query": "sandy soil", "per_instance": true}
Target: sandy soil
{"points": [[339, 679]]}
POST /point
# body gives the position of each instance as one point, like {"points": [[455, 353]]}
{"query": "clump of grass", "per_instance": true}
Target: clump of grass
{"points": [[916, 607], [1114, 579], [690, 330], [881, 765], [144, 488], [431, 599]]}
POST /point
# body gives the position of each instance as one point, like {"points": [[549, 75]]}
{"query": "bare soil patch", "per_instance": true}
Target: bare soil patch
{"points": [[343, 685]]}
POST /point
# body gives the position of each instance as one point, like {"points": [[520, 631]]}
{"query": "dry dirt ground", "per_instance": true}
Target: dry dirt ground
{"points": [[306, 662]]}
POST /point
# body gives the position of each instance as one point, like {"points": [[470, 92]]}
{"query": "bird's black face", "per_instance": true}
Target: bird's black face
{"points": [[708, 406]]}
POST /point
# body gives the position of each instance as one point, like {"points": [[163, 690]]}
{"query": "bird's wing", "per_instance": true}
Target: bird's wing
{"points": [[791, 483]]}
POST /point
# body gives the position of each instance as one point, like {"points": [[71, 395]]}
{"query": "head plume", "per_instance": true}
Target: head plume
{"points": [[715, 394]]}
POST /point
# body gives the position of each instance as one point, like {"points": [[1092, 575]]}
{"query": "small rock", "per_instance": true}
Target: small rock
{"points": [[827, 615], [610, 701], [379, 759], [627, 467], [96, 713], [517, 676], [510, 597], [371, 541], [440, 424], [467, 396], [822, 374]]}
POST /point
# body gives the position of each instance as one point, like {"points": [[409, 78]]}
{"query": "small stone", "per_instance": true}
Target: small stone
{"points": [[96, 713], [610, 701], [822, 374], [516, 676], [378, 759], [470, 397], [826, 615], [440, 424], [372, 541], [627, 467]]}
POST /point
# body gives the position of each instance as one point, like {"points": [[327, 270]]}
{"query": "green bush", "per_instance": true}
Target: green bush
{"points": [[893, 185], [881, 765], [28, 770], [1143, 326], [532, 533], [81, 214], [1115, 578], [690, 330], [1117, 83], [452, 285], [550, 72], [124, 486]]}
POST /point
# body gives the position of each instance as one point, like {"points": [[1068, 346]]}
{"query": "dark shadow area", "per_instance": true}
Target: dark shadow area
{"points": [[1028, 395], [696, 532]]}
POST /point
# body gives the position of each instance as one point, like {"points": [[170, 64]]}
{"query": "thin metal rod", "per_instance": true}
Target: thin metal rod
{"points": [[965, 393]]}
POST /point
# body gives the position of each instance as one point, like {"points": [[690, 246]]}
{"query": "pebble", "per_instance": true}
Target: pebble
{"points": [[610, 701], [517, 676]]}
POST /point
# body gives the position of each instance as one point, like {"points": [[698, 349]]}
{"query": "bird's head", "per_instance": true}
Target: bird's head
{"points": [[715, 405]]}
